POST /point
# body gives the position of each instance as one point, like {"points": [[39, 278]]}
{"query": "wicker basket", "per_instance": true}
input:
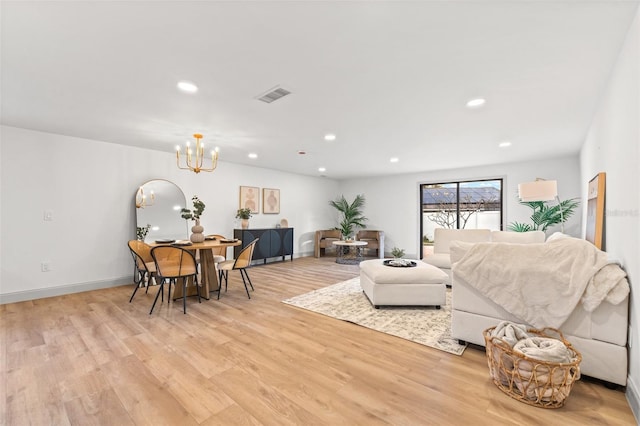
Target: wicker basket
{"points": [[532, 381]]}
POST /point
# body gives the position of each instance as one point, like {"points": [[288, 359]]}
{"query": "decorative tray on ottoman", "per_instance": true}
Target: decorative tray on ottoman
{"points": [[399, 263]]}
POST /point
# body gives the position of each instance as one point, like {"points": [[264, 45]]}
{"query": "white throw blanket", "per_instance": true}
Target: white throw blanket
{"points": [[540, 283]]}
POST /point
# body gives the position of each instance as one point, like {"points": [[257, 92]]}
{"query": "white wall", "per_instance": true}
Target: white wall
{"points": [[90, 188], [611, 146], [393, 202]]}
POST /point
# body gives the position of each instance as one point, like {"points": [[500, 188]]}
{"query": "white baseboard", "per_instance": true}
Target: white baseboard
{"points": [[21, 296], [633, 396]]}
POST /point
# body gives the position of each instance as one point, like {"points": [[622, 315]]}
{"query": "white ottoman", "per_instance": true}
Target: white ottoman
{"points": [[422, 285]]}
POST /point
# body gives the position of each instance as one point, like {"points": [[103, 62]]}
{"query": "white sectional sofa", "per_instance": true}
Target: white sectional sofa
{"points": [[441, 257], [600, 335]]}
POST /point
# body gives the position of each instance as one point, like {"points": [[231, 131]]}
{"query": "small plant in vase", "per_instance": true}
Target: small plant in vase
{"points": [[245, 215], [198, 209], [397, 253], [142, 231], [397, 260]]}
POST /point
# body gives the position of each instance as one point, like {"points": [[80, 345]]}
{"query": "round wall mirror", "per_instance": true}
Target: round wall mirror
{"points": [[158, 204]]}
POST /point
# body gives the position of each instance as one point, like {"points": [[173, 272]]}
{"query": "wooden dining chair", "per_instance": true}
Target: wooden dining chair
{"points": [[241, 263], [173, 263], [144, 267], [219, 254]]}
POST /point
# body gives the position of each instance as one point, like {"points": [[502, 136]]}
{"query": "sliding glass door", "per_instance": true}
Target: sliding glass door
{"points": [[460, 205]]}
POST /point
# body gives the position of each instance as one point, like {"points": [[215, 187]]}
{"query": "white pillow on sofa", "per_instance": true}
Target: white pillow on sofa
{"points": [[531, 237], [558, 236]]}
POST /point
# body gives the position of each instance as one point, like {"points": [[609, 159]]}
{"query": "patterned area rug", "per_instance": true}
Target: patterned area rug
{"points": [[346, 301]]}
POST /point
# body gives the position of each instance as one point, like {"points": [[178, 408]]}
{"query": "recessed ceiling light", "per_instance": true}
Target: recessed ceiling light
{"points": [[187, 86], [394, 159], [322, 169], [504, 144], [475, 103], [253, 155], [329, 137]]}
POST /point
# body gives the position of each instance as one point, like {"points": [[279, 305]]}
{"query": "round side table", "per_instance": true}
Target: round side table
{"points": [[349, 253]]}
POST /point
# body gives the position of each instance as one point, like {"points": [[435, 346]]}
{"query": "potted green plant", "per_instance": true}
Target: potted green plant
{"points": [[244, 214], [352, 216], [397, 253], [142, 231], [198, 209], [544, 216], [197, 235]]}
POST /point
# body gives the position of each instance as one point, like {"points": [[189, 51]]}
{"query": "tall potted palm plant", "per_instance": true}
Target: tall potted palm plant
{"points": [[352, 216], [545, 215]]}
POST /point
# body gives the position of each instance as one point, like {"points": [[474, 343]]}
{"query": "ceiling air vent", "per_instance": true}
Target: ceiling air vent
{"points": [[273, 94]]}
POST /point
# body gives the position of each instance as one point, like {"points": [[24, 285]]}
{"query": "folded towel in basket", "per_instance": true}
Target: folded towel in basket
{"points": [[510, 332], [544, 349], [538, 382]]}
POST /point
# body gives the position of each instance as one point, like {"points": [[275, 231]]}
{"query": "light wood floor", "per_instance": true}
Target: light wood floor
{"points": [[93, 358]]}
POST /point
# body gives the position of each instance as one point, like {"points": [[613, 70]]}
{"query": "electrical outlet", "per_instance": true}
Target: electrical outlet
{"points": [[45, 266]]}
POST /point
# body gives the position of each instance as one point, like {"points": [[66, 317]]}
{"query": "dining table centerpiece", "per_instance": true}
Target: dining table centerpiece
{"points": [[194, 214], [142, 231]]}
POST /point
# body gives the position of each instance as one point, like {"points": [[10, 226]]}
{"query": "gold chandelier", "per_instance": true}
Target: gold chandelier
{"points": [[194, 160], [142, 200]]}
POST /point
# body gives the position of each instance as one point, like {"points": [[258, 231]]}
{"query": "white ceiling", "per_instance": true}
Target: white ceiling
{"points": [[389, 78]]}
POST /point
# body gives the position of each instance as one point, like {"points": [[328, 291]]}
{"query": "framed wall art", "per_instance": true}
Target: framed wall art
{"points": [[270, 201], [250, 198], [595, 211]]}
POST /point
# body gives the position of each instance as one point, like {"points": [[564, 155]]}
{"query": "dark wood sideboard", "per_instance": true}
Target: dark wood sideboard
{"points": [[274, 242]]}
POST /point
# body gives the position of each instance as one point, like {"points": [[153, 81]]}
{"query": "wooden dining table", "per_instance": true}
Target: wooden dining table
{"points": [[208, 274]]}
